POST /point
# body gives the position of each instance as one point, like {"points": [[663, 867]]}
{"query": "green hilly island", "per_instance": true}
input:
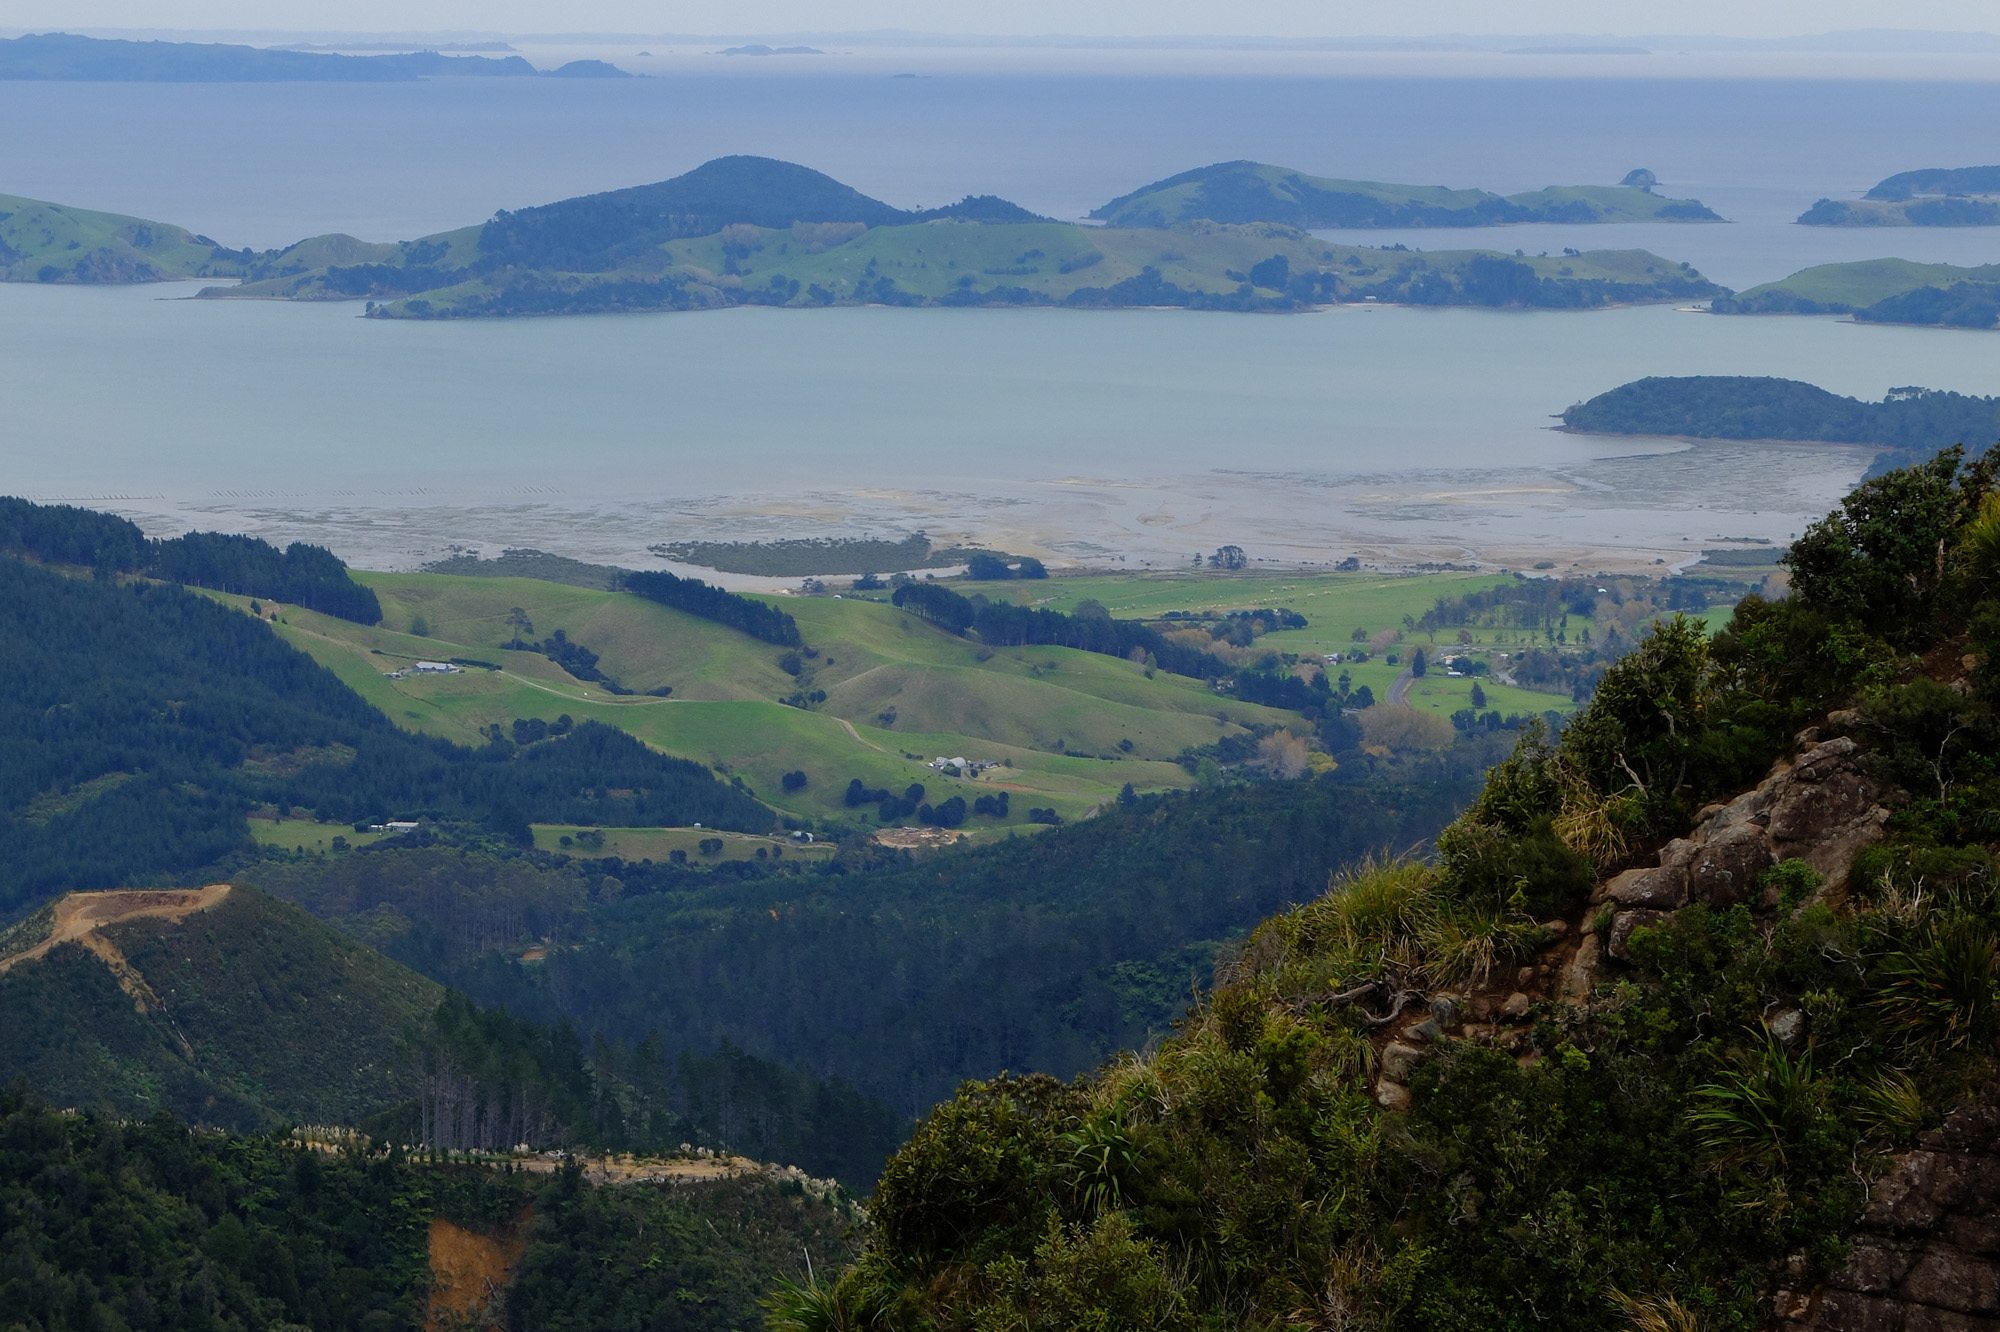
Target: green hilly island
{"points": [[1935, 197], [1258, 192], [752, 231], [1883, 291]]}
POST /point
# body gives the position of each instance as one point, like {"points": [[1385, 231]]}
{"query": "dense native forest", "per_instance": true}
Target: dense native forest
{"points": [[151, 1225], [1047, 952], [1696, 1127], [145, 720]]}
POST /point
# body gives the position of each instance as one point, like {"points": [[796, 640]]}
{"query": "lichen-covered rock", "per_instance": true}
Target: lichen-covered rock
{"points": [[1621, 930], [1660, 889], [1726, 868], [1927, 1255]]}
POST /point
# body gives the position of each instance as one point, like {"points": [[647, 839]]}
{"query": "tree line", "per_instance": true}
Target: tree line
{"points": [[299, 575], [695, 597]]}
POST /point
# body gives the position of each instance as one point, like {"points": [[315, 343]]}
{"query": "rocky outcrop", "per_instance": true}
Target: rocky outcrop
{"points": [[1822, 807], [1927, 1255]]}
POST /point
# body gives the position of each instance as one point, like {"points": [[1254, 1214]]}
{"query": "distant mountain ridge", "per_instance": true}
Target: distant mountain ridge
{"points": [[1244, 191], [63, 57]]}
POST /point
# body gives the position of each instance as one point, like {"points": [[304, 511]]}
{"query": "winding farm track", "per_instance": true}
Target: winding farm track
{"points": [[1399, 692]]}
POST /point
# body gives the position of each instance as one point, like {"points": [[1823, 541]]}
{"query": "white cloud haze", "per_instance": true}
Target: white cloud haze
{"points": [[1287, 18]]}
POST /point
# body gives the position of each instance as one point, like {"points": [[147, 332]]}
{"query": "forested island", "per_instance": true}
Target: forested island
{"points": [[1934, 197], [1908, 425], [1257, 192], [1880, 291], [61, 57]]}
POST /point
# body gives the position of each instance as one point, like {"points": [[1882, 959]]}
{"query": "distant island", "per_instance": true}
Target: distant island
{"points": [[1933, 197], [758, 49], [1257, 192], [1908, 425], [754, 231], [1880, 291], [60, 57]]}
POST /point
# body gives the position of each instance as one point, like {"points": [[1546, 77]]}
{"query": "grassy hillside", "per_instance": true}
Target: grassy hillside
{"points": [[1847, 288], [1258, 192], [46, 242], [246, 1014], [1071, 727]]}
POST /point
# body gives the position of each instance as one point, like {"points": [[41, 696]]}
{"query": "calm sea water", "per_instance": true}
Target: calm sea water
{"points": [[1102, 434]]}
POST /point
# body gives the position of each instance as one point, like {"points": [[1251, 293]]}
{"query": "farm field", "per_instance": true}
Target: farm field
{"points": [[306, 834], [659, 844], [1066, 729]]}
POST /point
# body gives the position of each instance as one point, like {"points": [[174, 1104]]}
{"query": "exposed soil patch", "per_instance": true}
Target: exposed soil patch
{"points": [[79, 917], [470, 1272]]}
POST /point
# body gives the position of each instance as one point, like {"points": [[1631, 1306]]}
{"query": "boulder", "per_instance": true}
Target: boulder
{"points": [[1580, 977], [1660, 889], [1515, 1008], [1788, 1026], [1726, 868], [1399, 1060], [1392, 1095], [1623, 925]]}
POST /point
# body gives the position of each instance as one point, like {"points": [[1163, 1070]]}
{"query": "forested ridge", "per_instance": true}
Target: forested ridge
{"points": [[144, 720], [155, 1227], [309, 576], [1047, 952]]}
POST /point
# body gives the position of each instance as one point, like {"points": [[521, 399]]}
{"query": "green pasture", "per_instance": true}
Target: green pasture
{"points": [[659, 844], [895, 687], [306, 834]]}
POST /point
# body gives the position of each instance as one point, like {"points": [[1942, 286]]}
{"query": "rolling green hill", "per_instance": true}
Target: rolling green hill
{"points": [[46, 242], [246, 1014], [758, 232], [1849, 288], [1257, 192], [1071, 727]]}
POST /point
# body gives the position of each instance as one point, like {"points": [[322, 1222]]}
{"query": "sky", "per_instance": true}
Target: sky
{"points": [[1283, 18]]}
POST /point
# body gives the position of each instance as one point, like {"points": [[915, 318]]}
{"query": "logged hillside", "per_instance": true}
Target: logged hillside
{"points": [[149, 1225], [240, 1011], [1678, 995]]}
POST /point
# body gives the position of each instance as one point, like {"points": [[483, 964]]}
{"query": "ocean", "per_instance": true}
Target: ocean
{"points": [[1099, 437]]}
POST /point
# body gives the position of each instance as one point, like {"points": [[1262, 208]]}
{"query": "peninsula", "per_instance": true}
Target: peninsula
{"points": [[1258, 192], [1880, 291], [62, 57], [1909, 425]]}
